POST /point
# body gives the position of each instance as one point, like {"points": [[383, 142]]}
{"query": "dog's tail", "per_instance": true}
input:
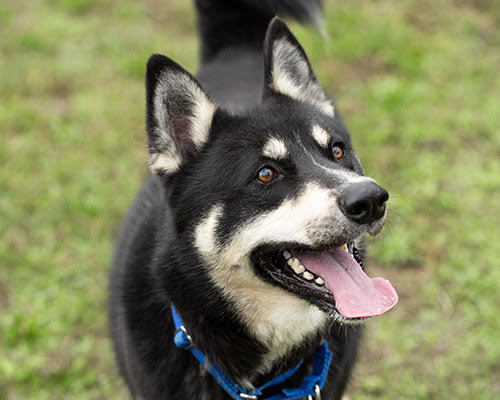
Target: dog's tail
{"points": [[243, 23]]}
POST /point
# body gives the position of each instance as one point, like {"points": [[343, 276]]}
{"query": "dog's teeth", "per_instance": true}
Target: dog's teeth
{"points": [[319, 281], [295, 264], [344, 246], [287, 255], [298, 269], [308, 276]]}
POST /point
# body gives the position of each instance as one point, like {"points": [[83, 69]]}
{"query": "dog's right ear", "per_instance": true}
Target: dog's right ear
{"points": [[178, 114]]}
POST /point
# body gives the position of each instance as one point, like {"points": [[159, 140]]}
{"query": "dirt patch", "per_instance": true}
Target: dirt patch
{"points": [[484, 5], [177, 15], [4, 296]]}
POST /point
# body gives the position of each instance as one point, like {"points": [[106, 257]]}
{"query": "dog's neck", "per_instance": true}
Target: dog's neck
{"points": [[248, 354], [300, 359], [247, 361]]}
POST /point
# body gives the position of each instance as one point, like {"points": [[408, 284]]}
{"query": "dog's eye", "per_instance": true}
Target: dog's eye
{"points": [[266, 175], [337, 151]]}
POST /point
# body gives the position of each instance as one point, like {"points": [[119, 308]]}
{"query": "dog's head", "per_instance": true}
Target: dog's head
{"points": [[273, 199]]}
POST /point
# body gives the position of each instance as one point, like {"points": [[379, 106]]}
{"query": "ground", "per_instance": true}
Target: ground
{"points": [[418, 84]]}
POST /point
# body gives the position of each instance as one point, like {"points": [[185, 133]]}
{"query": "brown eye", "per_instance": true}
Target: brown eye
{"points": [[266, 175], [337, 151]]}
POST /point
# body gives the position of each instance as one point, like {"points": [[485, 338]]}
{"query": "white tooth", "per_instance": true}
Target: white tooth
{"points": [[290, 261], [287, 255], [319, 281], [296, 262], [344, 246], [298, 269], [307, 275]]}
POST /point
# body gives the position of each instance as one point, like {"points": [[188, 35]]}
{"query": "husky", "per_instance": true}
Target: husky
{"points": [[238, 270]]}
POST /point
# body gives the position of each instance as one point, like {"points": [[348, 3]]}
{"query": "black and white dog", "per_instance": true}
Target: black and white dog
{"points": [[252, 223]]}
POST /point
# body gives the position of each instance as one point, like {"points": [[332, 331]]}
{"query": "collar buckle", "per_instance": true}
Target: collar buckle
{"points": [[316, 395], [182, 339]]}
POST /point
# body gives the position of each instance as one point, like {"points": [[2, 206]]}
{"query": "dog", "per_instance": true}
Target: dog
{"points": [[238, 270]]}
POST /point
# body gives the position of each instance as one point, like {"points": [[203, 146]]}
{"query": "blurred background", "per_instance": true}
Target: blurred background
{"points": [[417, 82]]}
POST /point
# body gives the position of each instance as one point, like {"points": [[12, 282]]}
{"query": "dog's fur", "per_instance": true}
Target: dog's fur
{"points": [[198, 227]]}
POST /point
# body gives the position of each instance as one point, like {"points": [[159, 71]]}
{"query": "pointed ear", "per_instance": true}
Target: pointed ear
{"points": [[288, 71], [178, 114]]}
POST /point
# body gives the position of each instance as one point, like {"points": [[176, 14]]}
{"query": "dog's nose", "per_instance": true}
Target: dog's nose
{"points": [[364, 202]]}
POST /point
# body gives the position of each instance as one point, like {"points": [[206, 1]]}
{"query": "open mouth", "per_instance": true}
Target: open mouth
{"points": [[332, 279]]}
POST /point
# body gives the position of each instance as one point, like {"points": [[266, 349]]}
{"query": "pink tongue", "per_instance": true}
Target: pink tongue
{"points": [[356, 294]]}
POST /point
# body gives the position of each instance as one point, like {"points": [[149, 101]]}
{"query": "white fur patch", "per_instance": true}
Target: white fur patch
{"points": [[198, 120], [276, 317], [275, 148], [321, 136], [301, 87], [205, 233], [163, 162]]}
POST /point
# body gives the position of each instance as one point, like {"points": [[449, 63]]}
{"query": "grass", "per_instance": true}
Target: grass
{"points": [[417, 82]]}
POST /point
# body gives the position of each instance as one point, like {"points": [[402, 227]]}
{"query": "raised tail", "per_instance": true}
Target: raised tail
{"points": [[243, 23]]}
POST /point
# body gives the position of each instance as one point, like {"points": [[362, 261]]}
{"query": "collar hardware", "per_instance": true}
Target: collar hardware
{"points": [[310, 387], [182, 339], [316, 395], [249, 396]]}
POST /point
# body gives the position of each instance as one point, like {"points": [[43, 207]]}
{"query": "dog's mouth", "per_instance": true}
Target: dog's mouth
{"points": [[333, 279]]}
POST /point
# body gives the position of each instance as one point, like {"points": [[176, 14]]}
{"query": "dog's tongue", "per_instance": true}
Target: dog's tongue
{"points": [[356, 294]]}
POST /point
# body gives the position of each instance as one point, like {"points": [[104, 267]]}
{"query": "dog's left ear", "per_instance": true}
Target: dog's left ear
{"points": [[178, 114], [288, 71]]}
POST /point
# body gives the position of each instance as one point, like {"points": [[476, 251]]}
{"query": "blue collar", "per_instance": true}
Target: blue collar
{"points": [[311, 384]]}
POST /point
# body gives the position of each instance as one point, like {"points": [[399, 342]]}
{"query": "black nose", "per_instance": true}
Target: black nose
{"points": [[364, 202]]}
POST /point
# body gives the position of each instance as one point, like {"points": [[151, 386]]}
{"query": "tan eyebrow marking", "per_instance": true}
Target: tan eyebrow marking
{"points": [[275, 148], [321, 136]]}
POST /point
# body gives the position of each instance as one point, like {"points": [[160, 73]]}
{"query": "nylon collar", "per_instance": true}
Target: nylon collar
{"points": [[310, 387]]}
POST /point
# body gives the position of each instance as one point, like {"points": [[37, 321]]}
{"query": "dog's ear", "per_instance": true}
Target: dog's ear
{"points": [[288, 71], [178, 114]]}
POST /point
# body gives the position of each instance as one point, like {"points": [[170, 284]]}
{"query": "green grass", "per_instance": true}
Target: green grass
{"points": [[418, 85]]}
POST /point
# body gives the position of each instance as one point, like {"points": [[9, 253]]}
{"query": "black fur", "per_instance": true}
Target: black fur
{"points": [[156, 262]]}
